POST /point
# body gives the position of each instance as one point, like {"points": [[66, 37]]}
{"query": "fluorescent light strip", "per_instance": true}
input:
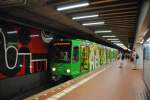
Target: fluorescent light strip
{"points": [[116, 41], [104, 31], [129, 49], [11, 32], [124, 47], [73, 6], [83, 17], [121, 45], [112, 39], [108, 36], [94, 23], [118, 44]]}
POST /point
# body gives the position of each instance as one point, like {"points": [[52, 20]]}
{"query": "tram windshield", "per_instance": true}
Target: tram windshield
{"points": [[62, 52]]}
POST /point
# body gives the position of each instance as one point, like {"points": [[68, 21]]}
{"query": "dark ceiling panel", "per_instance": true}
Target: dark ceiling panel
{"points": [[8, 3]]}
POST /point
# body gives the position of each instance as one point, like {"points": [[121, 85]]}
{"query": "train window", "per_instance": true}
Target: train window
{"points": [[75, 54], [62, 53]]}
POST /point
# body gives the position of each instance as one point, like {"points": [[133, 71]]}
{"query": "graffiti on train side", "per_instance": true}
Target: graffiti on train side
{"points": [[24, 56], [8, 57]]}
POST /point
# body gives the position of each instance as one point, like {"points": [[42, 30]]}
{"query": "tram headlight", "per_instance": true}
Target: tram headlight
{"points": [[68, 70], [53, 69]]}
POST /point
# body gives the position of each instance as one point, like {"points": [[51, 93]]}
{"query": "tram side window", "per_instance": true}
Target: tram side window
{"points": [[75, 54]]}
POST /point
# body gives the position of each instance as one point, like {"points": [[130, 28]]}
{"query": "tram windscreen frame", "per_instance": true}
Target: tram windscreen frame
{"points": [[62, 52]]}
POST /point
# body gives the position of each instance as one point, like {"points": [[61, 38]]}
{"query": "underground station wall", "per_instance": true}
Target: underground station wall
{"points": [[146, 48]]}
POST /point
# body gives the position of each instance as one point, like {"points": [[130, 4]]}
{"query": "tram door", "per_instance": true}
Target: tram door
{"points": [[84, 58], [91, 58], [76, 62]]}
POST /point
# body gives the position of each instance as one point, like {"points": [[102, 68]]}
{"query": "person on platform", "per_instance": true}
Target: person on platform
{"points": [[121, 56], [134, 58]]}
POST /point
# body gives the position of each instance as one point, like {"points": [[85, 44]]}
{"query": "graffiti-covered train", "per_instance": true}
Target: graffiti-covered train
{"points": [[73, 57], [25, 51], [31, 58]]}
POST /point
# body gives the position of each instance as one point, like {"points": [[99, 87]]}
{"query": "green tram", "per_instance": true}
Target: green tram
{"points": [[72, 58]]}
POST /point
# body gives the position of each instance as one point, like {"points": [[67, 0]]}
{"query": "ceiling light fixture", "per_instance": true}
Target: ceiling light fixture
{"points": [[93, 23], [12, 32], [112, 39], [119, 44], [73, 6], [105, 36], [129, 49], [104, 31], [115, 41], [84, 17]]}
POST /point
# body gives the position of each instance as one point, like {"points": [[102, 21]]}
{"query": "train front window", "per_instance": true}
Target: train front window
{"points": [[75, 54], [62, 53]]}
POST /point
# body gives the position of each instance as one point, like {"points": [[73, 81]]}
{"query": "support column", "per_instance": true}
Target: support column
{"points": [[139, 51]]}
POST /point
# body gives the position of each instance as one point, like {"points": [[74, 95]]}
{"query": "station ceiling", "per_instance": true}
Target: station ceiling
{"points": [[119, 16]]}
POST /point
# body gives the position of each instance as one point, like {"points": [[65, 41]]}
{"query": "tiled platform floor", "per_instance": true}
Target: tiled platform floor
{"points": [[112, 84]]}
